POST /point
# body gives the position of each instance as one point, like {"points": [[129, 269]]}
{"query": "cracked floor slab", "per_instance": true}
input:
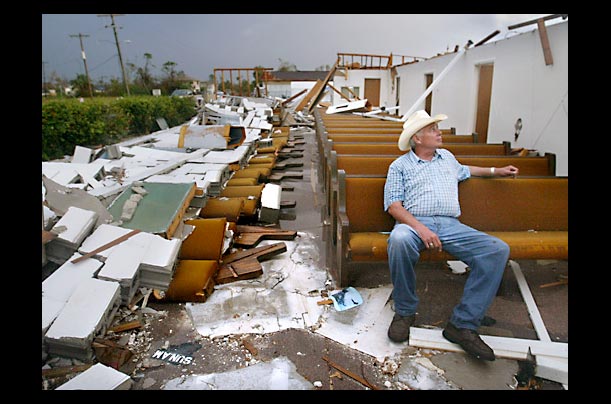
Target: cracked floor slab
{"points": [[278, 374]]}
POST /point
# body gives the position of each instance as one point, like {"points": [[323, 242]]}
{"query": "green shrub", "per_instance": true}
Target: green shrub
{"points": [[102, 121]]}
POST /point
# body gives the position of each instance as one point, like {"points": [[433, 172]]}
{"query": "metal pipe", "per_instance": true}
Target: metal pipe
{"points": [[435, 82]]}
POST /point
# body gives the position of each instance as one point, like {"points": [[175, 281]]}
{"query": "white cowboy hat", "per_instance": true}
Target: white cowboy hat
{"points": [[414, 123]]}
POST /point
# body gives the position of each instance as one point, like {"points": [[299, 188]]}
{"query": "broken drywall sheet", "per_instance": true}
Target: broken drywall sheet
{"points": [[62, 282], [73, 173], [148, 163], [71, 230], [352, 106], [122, 266], [157, 264], [98, 377], [75, 225], [364, 327], [82, 155], [59, 286], [204, 136], [87, 313], [238, 155], [60, 198]]}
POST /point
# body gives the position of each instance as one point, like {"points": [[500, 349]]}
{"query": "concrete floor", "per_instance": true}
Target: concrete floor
{"points": [[259, 342]]}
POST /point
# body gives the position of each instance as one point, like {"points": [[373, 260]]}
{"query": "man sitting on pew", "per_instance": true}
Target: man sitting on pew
{"points": [[421, 193]]}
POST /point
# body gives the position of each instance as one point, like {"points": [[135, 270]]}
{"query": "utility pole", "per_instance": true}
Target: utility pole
{"points": [[80, 37], [44, 77], [114, 28]]}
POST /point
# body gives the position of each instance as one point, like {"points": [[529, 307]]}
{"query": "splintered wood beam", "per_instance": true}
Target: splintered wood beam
{"points": [[483, 41], [245, 264], [64, 370], [339, 92], [321, 93], [294, 96], [547, 52], [252, 238], [126, 326], [304, 101], [247, 268], [349, 373], [259, 252], [549, 17]]}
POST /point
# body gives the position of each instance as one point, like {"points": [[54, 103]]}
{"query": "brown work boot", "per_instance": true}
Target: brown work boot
{"points": [[399, 327], [469, 340]]}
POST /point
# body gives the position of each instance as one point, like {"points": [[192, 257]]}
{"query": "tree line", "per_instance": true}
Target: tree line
{"points": [[141, 81]]}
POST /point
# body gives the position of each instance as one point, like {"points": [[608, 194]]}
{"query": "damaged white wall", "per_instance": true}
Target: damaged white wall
{"points": [[522, 87], [356, 78]]}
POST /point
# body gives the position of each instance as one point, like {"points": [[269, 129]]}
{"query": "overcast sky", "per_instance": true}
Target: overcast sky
{"points": [[198, 43]]}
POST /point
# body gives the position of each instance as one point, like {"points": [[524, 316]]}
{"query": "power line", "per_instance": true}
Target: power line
{"points": [[114, 28], [80, 37]]}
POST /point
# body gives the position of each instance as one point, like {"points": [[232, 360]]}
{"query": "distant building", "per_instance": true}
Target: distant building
{"points": [[194, 82], [285, 84]]}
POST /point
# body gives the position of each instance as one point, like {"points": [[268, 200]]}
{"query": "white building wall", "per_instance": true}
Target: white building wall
{"points": [[289, 89], [522, 87], [356, 78], [279, 89]]}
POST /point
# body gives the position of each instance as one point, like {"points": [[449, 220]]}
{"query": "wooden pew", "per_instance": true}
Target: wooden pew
{"points": [[384, 137], [378, 164], [356, 121], [392, 148], [528, 213]]}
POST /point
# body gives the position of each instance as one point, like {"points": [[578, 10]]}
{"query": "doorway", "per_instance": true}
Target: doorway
{"points": [[372, 91], [484, 93]]}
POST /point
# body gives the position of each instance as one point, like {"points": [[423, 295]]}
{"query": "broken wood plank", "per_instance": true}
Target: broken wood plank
{"points": [[47, 236], [547, 51], [110, 353], [557, 283], [106, 246], [319, 91], [249, 346], [245, 264], [247, 268], [282, 166], [287, 204], [282, 175], [64, 370], [248, 237], [347, 372], [294, 96], [316, 88], [126, 326], [262, 252]]}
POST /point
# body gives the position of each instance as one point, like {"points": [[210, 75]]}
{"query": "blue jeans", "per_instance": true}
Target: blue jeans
{"points": [[485, 255]]}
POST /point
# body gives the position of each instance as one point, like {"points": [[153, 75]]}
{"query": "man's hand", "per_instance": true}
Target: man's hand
{"points": [[429, 238], [507, 171]]}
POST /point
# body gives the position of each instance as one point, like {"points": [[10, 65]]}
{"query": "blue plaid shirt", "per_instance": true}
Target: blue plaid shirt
{"points": [[426, 188]]}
